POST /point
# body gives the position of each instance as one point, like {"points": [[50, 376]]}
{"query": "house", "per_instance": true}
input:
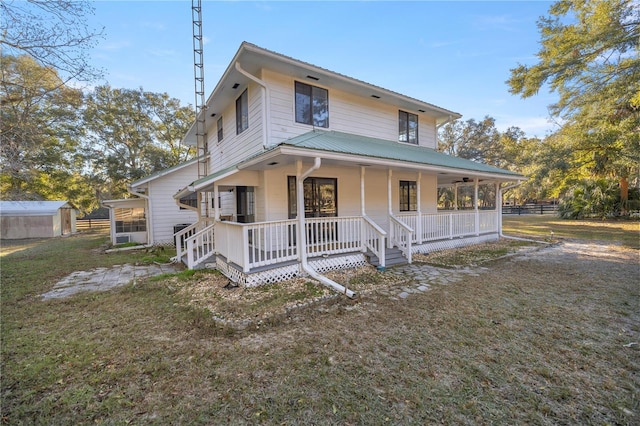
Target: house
{"points": [[151, 216], [36, 219], [325, 172]]}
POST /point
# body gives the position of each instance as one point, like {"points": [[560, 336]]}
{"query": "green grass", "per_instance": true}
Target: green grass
{"points": [[533, 341], [624, 232]]}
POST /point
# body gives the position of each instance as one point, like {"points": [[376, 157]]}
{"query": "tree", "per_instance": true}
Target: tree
{"points": [[39, 131], [131, 134], [590, 56], [53, 32]]}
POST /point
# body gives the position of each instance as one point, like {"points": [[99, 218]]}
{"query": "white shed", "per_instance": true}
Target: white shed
{"points": [[36, 219]]}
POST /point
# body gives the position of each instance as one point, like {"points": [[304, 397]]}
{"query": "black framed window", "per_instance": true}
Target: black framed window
{"points": [[407, 127], [242, 112], [312, 105], [408, 196], [220, 129], [320, 197]]}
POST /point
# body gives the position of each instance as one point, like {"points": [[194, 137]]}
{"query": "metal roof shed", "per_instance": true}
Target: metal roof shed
{"points": [[36, 219]]}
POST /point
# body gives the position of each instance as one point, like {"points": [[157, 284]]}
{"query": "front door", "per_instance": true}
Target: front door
{"points": [[245, 204]]}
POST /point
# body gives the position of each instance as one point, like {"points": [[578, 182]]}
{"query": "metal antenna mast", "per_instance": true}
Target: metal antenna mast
{"points": [[198, 70], [201, 128]]}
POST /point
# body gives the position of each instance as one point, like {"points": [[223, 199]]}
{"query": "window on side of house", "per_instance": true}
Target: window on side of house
{"points": [[242, 112], [312, 105], [130, 220], [220, 130], [407, 127], [408, 196]]}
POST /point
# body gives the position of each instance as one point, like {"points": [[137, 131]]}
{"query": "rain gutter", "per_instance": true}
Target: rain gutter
{"points": [[302, 235]]}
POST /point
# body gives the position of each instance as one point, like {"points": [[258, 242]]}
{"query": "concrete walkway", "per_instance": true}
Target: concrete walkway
{"points": [[102, 279]]}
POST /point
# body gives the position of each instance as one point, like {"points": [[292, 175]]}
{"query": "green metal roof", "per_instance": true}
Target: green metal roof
{"points": [[347, 143]]}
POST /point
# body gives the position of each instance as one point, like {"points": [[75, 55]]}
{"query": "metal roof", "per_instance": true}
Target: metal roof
{"points": [[32, 208], [346, 143], [163, 172]]}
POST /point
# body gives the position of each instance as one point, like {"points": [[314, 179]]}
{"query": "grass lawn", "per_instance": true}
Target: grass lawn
{"points": [[544, 338]]}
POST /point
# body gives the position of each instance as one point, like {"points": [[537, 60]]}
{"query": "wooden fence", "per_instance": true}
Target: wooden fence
{"points": [[92, 224], [531, 209]]}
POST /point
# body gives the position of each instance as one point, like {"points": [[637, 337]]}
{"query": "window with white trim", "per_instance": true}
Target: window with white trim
{"points": [[312, 105], [220, 130], [242, 112], [407, 127]]}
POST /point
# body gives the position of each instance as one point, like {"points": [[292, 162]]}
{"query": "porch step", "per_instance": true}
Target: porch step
{"points": [[392, 256]]}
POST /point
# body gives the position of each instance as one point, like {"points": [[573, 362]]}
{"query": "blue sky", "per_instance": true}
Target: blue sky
{"points": [[453, 54]]}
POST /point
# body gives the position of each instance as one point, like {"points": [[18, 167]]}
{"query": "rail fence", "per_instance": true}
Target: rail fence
{"points": [[92, 224], [531, 209]]}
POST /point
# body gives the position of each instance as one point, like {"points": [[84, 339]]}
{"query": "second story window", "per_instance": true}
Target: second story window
{"points": [[242, 113], [312, 105], [408, 127], [220, 130]]}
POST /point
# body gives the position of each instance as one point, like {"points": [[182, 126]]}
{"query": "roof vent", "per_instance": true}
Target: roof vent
{"points": [[313, 78], [421, 110], [375, 96], [235, 86]]}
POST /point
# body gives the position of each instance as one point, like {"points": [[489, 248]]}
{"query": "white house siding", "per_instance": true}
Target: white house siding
{"points": [[347, 113], [165, 213], [234, 148]]}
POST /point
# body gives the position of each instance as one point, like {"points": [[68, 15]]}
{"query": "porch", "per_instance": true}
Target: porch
{"points": [[265, 252]]}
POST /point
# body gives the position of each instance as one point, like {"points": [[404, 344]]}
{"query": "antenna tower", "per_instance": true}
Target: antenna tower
{"points": [[198, 70]]}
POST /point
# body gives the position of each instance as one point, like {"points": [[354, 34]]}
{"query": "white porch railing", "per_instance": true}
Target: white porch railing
{"points": [[182, 235], [200, 246], [448, 225], [401, 235], [252, 245], [373, 239]]}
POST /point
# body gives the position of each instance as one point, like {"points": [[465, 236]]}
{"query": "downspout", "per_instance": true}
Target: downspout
{"points": [[150, 218], [500, 192], [302, 235], [266, 109]]}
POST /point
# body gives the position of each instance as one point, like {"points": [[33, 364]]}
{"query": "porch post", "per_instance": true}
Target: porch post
{"points": [[418, 229], [390, 205], [455, 196], [362, 205], [498, 208], [475, 201], [302, 240], [216, 207]]}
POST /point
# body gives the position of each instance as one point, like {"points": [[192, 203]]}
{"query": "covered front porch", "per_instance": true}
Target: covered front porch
{"points": [[327, 201]]}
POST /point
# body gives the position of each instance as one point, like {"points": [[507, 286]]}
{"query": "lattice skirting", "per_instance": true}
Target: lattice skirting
{"points": [[283, 273], [453, 243]]}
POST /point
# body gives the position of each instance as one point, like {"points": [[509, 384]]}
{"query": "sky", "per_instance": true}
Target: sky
{"points": [[453, 54]]}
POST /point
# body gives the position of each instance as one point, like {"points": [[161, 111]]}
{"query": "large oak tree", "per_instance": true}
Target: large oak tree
{"points": [[590, 56]]}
